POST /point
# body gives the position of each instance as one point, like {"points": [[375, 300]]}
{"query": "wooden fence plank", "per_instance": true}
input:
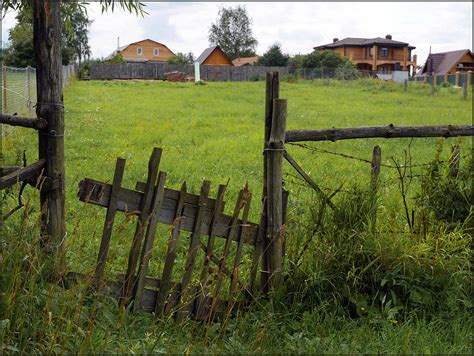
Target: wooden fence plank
{"points": [[235, 276], [98, 193], [149, 238], [109, 221], [194, 246], [153, 165], [24, 173], [170, 255]]}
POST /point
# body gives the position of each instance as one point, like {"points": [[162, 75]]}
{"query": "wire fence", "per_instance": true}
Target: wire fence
{"points": [[18, 94]]}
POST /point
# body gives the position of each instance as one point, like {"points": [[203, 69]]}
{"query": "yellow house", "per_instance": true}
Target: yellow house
{"points": [[143, 51]]}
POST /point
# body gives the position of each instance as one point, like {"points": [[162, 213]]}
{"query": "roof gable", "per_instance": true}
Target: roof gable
{"points": [[123, 48], [353, 41], [208, 51], [441, 63]]}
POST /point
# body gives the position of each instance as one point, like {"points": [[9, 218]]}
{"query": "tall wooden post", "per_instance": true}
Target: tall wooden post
{"points": [[469, 78], [272, 92], [5, 104], [276, 146], [28, 70], [47, 48]]}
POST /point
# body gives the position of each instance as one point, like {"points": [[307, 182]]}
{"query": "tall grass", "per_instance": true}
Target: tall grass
{"points": [[353, 283]]}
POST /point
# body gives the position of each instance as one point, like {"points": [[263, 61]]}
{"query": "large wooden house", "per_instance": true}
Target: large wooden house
{"points": [[143, 51], [382, 55], [214, 56], [449, 62]]}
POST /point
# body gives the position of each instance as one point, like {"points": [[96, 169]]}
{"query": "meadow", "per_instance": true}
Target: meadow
{"points": [[349, 286]]}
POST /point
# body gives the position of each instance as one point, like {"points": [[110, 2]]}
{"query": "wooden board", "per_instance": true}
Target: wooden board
{"points": [[98, 193]]}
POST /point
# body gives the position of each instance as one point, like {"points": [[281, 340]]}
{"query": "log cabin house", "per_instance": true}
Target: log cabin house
{"points": [[143, 51], [449, 62], [214, 56], [382, 55]]}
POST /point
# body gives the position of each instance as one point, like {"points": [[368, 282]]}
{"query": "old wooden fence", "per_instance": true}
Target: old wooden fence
{"points": [[104, 71], [212, 287]]}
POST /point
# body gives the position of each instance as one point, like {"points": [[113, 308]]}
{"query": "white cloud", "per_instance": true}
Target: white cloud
{"points": [[297, 26]]}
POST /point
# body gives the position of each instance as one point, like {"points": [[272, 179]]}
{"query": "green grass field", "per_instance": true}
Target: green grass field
{"points": [[415, 288]]}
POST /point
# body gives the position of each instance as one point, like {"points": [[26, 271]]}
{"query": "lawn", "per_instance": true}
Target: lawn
{"points": [[215, 132]]}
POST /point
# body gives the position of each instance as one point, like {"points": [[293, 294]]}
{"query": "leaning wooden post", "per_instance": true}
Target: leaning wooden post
{"points": [[276, 146], [272, 92], [47, 48]]}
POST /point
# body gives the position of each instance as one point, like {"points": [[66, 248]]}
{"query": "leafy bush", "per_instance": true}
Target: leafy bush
{"points": [[182, 58], [274, 57]]}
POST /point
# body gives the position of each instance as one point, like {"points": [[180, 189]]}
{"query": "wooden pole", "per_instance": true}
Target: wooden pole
{"points": [[5, 104], [47, 49], [433, 78], [469, 78], [276, 146], [272, 92], [406, 85], [464, 90], [457, 78], [389, 131], [375, 172], [30, 111], [15, 120]]}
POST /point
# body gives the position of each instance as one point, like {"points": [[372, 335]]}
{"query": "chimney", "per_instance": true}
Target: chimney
{"points": [[334, 40], [388, 37]]}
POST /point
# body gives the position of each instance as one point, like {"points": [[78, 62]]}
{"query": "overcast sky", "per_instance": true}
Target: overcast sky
{"points": [[298, 27]]}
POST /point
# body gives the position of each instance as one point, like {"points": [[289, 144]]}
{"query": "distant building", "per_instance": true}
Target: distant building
{"points": [[383, 55], [245, 61], [449, 62], [143, 51], [214, 56]]}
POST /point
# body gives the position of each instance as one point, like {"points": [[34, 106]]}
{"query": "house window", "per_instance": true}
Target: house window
{"points": [[156, 52], [371, 51], [384, 52], [139, 51]]}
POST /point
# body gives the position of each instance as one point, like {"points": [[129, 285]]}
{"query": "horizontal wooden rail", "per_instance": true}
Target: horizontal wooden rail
{"points": [[389, 131], [22, 174], [15, 120], [129, 201]]}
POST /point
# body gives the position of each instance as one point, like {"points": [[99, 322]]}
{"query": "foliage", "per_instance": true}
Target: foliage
{"points": [[333, 64], [447, 189], [233, 33], [182, 58], [75, 42], [117, 58], [274, 57]]}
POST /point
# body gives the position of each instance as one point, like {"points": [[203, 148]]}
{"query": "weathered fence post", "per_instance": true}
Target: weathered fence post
{"points": [[446, 78], [5, 105], [433, 77], [375, 172], [276, 146], [29, 90], [469, 78], [457, 79], [406, 85], [47, 48], [272, 92], [464, 90]]}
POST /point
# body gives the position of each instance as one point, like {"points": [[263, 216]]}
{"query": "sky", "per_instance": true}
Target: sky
{"points": [[297, 26]]}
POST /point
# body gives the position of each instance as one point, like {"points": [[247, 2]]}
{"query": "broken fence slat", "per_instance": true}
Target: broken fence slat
{"points": [[149, 238], [170, 255], [153, 165], [22, 174], [109, 220]]}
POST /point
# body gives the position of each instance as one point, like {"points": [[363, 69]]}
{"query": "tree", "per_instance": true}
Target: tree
{"points": [[232, 32], [182, 58], [274, 57], [75, 41]]}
